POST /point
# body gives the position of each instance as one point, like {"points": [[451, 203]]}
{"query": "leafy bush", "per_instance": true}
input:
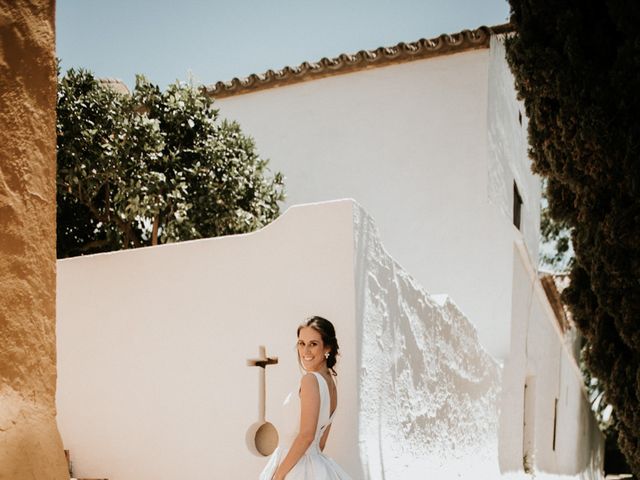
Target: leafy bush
{"points": [[153, 167]]}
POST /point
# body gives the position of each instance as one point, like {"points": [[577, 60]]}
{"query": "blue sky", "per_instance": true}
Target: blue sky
{"points": [[218, 40]]}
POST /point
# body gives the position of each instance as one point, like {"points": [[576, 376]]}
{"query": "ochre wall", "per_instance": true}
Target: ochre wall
{"points": [[30, 445]]}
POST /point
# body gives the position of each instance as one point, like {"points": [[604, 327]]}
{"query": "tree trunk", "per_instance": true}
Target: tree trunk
{"points": [[154, 233]]}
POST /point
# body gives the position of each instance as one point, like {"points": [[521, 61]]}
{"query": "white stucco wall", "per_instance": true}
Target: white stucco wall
{"points": [[429, 390], [540, 358], [508, 151], [411, 143], [153, 344]]}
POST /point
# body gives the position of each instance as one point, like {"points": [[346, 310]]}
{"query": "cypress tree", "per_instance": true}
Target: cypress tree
{"points": [[577, 68]]}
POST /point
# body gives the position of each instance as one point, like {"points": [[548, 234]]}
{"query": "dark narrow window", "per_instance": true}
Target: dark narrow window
{"points": [[517, 206], [520, 117], [555, 423]]}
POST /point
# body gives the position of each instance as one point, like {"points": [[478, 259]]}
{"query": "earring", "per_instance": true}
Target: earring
{"points": [[326, 355]]}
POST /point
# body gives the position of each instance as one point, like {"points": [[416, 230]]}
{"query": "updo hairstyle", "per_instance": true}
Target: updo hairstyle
{"points": [[325, 328]]}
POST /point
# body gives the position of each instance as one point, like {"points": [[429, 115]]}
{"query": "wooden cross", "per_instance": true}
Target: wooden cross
{"points": [[263, 362]]}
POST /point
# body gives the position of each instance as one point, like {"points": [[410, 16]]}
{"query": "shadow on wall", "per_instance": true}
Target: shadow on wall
{"points": [[428, 390]]}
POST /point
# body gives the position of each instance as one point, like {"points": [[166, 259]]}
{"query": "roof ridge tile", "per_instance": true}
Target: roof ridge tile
{"points": [[363, 59]]}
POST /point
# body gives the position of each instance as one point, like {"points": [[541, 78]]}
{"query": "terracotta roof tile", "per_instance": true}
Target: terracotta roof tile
{"points": [[553, 285], [364, 59]]}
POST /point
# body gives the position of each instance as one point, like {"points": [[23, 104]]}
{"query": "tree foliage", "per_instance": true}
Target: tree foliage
{"points": [[577, 67], [556, 252], [153, 167]]}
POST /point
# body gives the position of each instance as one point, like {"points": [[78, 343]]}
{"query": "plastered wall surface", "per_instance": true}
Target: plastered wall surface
{"points": [[561, 435], [153, 347], [153, 379], [30, 446], [508, 158], [154, 342], [429, 391], [411, 143]]}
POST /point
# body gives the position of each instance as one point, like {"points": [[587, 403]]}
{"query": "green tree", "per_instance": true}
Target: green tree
{"points": [[153, 167], [556, 252], [577, 68]]}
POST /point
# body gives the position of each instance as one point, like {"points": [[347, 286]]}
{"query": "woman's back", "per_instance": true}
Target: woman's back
{"points": [[313, 464], [299, 455]]}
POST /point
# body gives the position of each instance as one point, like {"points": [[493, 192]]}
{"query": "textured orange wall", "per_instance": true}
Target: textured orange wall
{"points": [[30, 445]]}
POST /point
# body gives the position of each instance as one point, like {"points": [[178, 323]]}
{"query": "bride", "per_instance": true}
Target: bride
{"points": [[300, 457]]}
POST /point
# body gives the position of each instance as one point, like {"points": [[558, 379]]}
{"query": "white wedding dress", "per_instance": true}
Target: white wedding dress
{"points": [[313, 465]]}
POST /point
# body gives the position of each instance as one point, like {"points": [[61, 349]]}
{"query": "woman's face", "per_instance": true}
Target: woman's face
{"points": [[311, 349]]}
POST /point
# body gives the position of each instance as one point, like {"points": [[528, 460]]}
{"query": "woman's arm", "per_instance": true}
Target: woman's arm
{"points": [[309, 412]]}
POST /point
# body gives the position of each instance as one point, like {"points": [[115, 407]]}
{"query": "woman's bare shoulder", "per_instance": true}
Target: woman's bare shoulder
{"points": [[309, 383]]}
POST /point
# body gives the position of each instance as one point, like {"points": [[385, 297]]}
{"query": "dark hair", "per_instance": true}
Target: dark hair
{"points": [[325, 328]]}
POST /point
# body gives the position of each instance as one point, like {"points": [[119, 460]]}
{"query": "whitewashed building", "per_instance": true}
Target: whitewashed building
{"points": [[431, 140], [427, 137], [454, 365]]}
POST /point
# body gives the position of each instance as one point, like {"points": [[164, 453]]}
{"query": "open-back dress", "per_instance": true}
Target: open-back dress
{"points": [[313, 465]]}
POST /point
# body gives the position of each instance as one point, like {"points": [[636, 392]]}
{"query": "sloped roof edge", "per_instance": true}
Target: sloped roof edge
{"points": [[364, 59], [553, 284]]}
